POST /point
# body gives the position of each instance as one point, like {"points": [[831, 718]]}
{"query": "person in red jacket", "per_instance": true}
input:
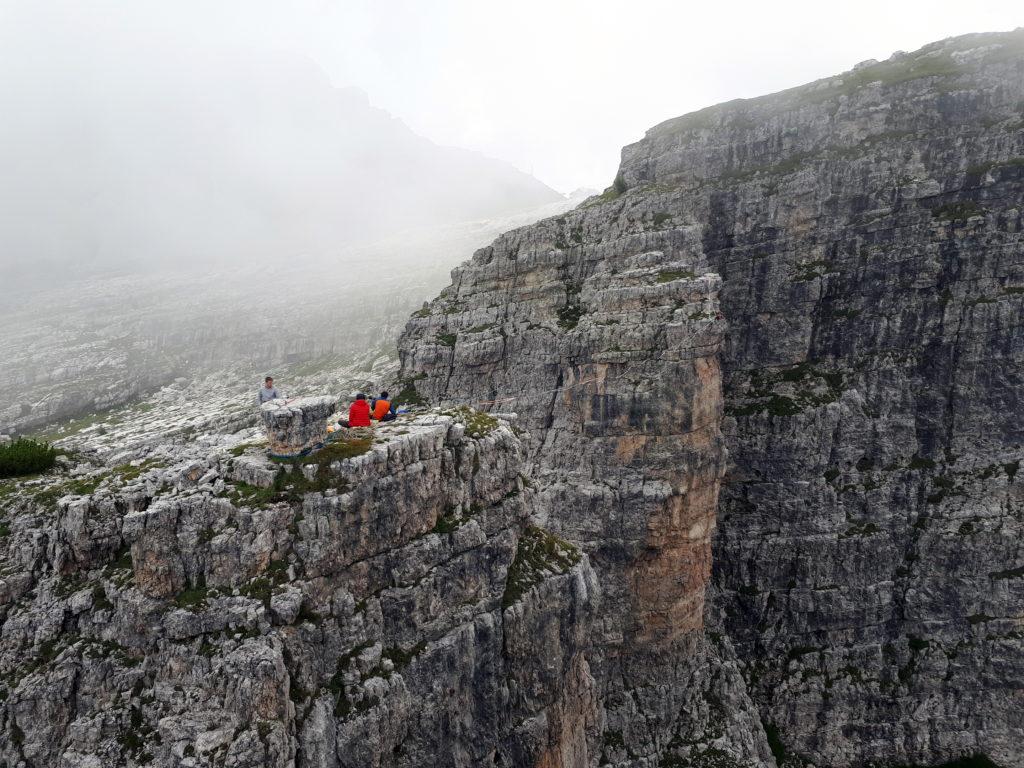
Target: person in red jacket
{"points": [[359, 412]]}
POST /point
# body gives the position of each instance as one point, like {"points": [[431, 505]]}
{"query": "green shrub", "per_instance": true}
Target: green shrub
{"points": [[26, 457], [569, 316], [958, 211]]}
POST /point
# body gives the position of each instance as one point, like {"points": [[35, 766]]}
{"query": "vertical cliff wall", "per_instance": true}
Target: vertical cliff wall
{"points": [[605, 339], [862, 237]]}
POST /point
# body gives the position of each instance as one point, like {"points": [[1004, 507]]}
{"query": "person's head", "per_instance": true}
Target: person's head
{"points": [[268, 382], [383, 395], [360, 396]]}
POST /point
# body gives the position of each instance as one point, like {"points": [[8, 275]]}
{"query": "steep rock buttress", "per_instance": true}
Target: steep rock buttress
{"points": [[862, 237]]}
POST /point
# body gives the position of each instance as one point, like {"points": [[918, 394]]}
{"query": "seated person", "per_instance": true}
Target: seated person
{"points": [[268, 391], [358, 412], [382, 408]]}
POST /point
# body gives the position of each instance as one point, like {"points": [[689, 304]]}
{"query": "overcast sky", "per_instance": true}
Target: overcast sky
{"points": [[554, 86]]}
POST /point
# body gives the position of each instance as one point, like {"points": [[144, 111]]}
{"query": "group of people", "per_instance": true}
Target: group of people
{"points": [[362, 412]]}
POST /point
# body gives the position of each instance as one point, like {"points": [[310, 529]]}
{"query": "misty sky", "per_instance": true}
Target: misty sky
{"points": [[554, 86]]}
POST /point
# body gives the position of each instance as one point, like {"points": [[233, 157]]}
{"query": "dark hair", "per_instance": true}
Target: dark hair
{"points": [[384, 395], [269, 378], [360, 396]]}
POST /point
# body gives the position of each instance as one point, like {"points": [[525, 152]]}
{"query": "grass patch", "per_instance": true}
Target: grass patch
{"points": [[127, 472], [805, 386], [539, 554], [918, 462], [408, 395], [671, 275], [1010, 573], [957, 211], [26, 457], [478, 424], [294, 485], [446, 339], [569, 316], [241, 448], [80, 487]]}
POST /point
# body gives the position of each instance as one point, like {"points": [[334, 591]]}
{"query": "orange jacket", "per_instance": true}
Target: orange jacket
{"points": [[380, 410], [359, 414]]}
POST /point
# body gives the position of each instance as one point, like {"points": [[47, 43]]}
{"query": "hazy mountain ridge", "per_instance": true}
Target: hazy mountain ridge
{"points": [[239, 162]]}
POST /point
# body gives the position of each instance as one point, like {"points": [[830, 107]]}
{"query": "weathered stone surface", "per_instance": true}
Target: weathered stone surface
{"points": [[862, 237], [349, 612], [294, 426]]}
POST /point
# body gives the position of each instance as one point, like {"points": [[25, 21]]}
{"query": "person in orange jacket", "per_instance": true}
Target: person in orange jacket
{"points": [[382, 408], [359, 412]]}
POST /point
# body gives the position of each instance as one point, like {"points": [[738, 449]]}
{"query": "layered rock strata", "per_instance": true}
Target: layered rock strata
{"points": [[383, 603], [866, 234], [606, 345]]}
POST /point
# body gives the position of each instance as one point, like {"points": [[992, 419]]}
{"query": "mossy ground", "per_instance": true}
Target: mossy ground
{"points": [[538, 554], [478, 424]]}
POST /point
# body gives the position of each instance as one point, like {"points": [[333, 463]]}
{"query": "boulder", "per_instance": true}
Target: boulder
{"points": [[294, 426]]}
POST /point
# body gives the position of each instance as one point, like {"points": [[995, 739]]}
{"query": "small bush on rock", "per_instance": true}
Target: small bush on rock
{"points": [[26, 457]]}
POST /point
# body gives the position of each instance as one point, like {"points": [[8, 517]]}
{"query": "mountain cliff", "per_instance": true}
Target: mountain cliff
{"points": [[384, 602], [748, 494], [797, 317]]}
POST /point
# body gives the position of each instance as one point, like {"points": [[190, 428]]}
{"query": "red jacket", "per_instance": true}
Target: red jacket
{"points": [[359, 414]]}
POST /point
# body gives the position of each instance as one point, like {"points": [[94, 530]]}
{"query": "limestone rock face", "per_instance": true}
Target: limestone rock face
{"points": [[606, 344], [349, 609], [862, 238], [294, 426]]}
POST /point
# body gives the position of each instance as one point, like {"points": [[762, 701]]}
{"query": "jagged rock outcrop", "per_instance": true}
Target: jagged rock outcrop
{"points": [[862, 238], [384, 601]]}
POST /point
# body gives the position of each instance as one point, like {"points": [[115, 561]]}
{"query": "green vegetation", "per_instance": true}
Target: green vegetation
{"points": [[79, 487], [1010, 573], [194, 597], [291, 486], [446, 339], [336, 685], [408, 394], [569, 315], [616, 190], [478, 424], [983, 168], [127, 472], [775, 744], [75, 426], [661, 217], [450, 521], [241, 448], [481, 328], [811, 387], [958, 211], [539, 554], [670, 275], [26, 457], [810, 270], [400, 657]]}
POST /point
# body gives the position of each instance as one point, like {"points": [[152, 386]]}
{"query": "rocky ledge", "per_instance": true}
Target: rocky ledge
{"points": [[383, 601]]}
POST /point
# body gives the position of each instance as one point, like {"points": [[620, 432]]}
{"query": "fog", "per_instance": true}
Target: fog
{"points": [[247, 183], [129, 153]]}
